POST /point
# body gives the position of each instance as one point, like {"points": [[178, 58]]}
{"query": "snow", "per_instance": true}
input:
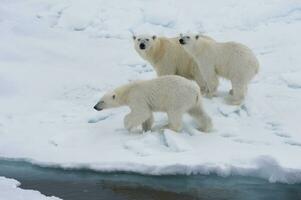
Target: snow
{"points": [[292, 80], [58, 57], [9, 190]]}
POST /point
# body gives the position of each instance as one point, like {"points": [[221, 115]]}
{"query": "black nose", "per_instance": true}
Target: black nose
{"points": [[181, 41], [142, 46], [95, 107]]}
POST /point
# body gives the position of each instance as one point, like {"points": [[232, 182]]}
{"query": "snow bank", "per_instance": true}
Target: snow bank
{"points": [[9, 191], [292, 80], [58, 57]]}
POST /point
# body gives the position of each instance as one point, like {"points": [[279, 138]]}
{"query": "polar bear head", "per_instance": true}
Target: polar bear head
{"points": [[194, 43], [109, 100], [144, 43], [188, 40]]}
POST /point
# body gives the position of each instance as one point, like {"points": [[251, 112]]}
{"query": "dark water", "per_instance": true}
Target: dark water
{"points": [[91, 185]]}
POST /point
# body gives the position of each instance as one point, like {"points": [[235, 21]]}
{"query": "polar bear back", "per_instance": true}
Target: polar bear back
{"points": [[238, 58], [166, 93]]}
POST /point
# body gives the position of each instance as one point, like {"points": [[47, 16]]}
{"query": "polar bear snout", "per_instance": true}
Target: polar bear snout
{"points": [[96, 108], [99, 106], [181, 41], [142, 46]]}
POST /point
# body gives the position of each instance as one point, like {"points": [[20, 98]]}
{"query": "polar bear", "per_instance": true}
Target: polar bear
{"points": [[168, 57], [172, 94], [230, 60]]}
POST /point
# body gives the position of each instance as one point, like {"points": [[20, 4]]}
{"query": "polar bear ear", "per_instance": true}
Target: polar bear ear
{"points": [[154, 37], [134, 37], [197, 37]]}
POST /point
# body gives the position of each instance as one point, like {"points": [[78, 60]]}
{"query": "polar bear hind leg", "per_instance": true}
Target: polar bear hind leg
{"points": [[175, 120], [201, 117], [238, 92]]}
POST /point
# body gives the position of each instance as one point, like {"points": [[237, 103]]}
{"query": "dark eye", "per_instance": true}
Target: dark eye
{"points": [[139, 40], [188, 37], [113, 96], [147, 39]]}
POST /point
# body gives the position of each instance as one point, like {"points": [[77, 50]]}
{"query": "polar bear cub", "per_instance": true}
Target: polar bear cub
{"points": [[172, 94], [168, 57], [230, 60]]}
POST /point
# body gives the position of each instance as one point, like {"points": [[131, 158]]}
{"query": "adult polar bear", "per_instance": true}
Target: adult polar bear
{"points": [[168, 57], [174, 95], [229, 60]]}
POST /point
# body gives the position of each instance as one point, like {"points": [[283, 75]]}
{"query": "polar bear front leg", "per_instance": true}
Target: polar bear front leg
{"points": [[147, 125], [210, 77], [136, 117], [175, 121], [198, 77]]}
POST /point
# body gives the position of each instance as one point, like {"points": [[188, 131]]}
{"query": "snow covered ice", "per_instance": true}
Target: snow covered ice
{"points": [[9, 191], [57, 58]]}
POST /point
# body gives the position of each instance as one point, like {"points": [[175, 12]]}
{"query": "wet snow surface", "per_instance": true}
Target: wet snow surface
{"points": [[58, 57]]}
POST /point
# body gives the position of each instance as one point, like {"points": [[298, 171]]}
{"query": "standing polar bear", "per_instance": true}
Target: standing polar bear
{"points": [[174, 95], [229, 60], [168, 57]]}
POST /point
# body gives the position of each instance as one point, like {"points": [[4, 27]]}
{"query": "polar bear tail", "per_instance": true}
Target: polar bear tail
{"points": [[200, 115]]}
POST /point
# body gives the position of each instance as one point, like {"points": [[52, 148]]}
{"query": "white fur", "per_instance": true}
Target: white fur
{"points": [[168, 57], [230, 60], [172, 94]]}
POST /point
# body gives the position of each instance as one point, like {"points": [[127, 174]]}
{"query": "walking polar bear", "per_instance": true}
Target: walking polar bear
{"points": [[229, 60], [168, 57], [172, 94]]}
